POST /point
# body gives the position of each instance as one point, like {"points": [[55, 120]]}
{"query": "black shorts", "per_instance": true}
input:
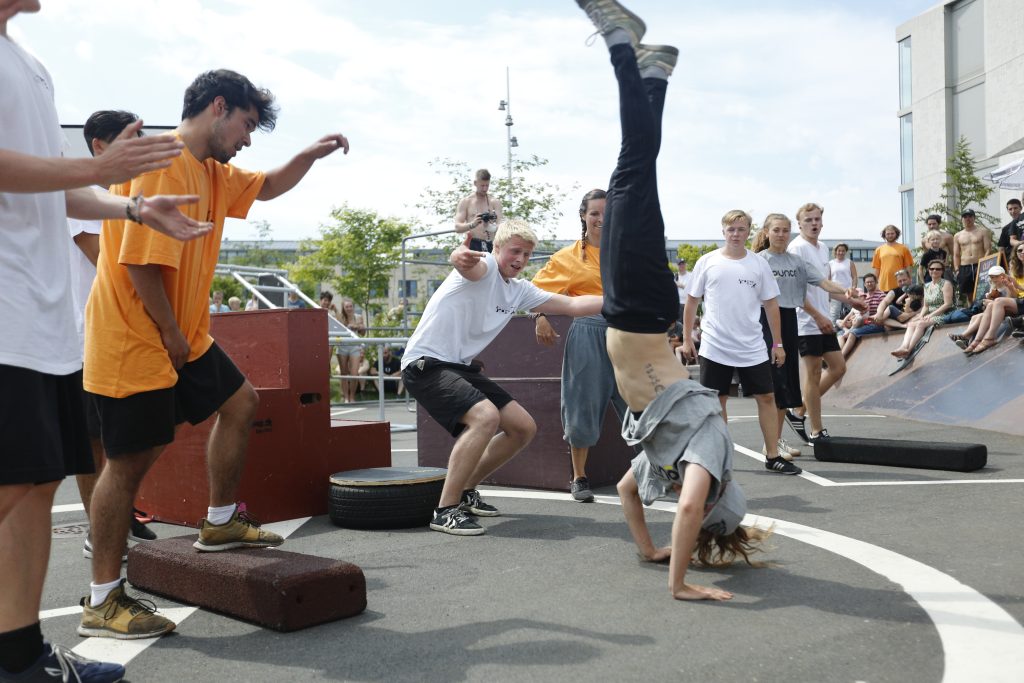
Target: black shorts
{"points": [[817, 345], [785, 380], [448, 390], [43, 437], [756, 379], [966, 277], [92, 415], [146, 420]]}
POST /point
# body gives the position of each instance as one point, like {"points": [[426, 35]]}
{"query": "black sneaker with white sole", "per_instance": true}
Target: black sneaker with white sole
{"points": [[781, 466], [797, 424], [472, 503], [580, 490], [813, 438], [454, 520]]}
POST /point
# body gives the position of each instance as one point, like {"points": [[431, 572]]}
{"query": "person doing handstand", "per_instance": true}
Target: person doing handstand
{"points": [[678, 423]]}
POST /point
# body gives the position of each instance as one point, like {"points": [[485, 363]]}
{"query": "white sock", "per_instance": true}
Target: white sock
{"points": [[221, 515], [654, 71], [617, 36], [98, 592]]}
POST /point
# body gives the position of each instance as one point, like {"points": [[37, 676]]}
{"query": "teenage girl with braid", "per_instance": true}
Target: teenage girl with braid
{"points": [[588, 383]]}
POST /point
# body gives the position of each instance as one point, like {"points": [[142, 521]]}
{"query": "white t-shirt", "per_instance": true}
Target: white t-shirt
{"points": [[817, 256], [463, 317], [839, 272], [83, 272], [733, 290], [36, 311], [683, 280]]}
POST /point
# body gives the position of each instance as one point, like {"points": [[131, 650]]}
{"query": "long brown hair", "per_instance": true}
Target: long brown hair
{"points": [[722, 551]]}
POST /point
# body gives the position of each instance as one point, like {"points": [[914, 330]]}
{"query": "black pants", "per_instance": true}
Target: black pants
{"points": [[640, 294]]}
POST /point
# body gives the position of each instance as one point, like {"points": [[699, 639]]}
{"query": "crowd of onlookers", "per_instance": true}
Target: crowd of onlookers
{"points": [[957, 281]]}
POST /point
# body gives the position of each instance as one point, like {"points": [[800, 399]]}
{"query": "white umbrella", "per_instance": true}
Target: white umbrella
{"points": [[1009, 177]]}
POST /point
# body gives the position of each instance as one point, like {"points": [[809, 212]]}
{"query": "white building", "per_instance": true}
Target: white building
{"points": [[961, 68]]}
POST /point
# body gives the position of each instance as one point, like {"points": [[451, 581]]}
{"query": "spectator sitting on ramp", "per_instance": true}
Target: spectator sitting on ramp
{"points": [[678, 423], [465, 314]]}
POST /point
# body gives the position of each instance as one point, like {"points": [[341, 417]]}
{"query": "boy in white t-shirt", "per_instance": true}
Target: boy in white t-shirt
{"points": [[464, 315], [734, 284]]}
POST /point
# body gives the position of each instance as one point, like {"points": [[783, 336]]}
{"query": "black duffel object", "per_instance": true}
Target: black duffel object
{"points": [[927, 455]]}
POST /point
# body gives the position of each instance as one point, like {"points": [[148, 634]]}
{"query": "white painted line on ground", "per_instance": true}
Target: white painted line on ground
{"points": [[809, 476], [70, 507], [345, 411], [59, 612], [930, 482], [980, 640], [123, 651]]}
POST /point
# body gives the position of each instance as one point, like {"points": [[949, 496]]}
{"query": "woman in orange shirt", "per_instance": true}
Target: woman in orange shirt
{"points": [[588, 382]]}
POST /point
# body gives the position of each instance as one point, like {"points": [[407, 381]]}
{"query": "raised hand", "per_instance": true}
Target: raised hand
{"points": [[129, 155], [161, 213], [464, 258], [328, 144]]}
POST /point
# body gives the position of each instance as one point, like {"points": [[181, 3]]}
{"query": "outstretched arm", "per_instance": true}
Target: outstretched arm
{"points": [[576, 306], [125, 158], [159, 212], [284, 178]]}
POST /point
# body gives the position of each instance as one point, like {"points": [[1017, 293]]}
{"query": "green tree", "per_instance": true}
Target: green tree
{"points": [[356, 254], [535, 201], [962, 190], [691, 252]]}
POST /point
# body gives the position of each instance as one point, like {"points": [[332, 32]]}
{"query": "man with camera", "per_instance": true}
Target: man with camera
{"points": [[479, 213]]}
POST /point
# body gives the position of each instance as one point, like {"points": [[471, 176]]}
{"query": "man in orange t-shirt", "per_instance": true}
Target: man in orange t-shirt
{"points": [[150, 361], [890, 257]]}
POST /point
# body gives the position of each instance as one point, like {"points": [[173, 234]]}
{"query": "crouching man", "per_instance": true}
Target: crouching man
{"points": [[464, 315]]}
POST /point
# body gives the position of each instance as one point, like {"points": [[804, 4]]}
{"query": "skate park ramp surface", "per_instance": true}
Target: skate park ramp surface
{"points": [[941, 384]]}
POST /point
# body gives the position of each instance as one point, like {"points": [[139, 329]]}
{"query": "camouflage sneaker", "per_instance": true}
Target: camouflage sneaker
{"points": [[241, 531], [608, 15], [123, 617]]}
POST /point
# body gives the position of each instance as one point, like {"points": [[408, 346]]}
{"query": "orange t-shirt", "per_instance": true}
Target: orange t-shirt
{"points": [[567, 273], [124, 353], [889, 258]]}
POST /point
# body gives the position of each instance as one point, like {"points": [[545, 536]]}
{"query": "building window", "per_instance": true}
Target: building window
{"points": [[407, 288], [969, 118], [907, 206], [905, 73], [907, 148], [967, 31], [432, 286], [378, 294]]}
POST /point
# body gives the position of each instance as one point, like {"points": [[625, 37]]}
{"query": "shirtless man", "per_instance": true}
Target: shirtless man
{"points": [[479, 213], [969, 246]]}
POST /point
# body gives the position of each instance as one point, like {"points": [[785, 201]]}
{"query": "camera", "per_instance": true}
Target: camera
{"points": [[488, 217]]}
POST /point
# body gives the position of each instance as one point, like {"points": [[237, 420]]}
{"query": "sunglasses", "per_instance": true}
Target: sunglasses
{"points": [[936, 268]]}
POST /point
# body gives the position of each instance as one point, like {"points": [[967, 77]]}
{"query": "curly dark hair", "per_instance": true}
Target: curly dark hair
{"points": [[106, 125], [237, 91]]}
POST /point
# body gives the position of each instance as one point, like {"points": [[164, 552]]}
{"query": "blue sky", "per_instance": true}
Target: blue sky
{"points": [[773, 104]]}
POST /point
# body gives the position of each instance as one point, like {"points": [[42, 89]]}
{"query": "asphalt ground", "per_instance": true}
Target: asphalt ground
{"points": [[876, 574]]}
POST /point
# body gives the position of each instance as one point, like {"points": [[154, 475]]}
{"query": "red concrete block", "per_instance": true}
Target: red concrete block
{"points": [[275, 588]]}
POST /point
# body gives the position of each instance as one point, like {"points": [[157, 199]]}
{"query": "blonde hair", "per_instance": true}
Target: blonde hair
{"points": [[736, 214], [932, 233], [809, 206], [514, 227]]}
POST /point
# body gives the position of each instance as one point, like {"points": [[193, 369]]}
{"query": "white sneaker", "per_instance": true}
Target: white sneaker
{"points": [[785, 447], [779, 453]]}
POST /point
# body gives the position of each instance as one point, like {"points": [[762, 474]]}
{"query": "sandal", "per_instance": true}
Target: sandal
{"points": [[957, 338], [983, 345]]}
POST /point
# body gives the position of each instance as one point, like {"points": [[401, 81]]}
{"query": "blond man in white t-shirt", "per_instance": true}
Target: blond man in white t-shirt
{"points": [[734, 283]]}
